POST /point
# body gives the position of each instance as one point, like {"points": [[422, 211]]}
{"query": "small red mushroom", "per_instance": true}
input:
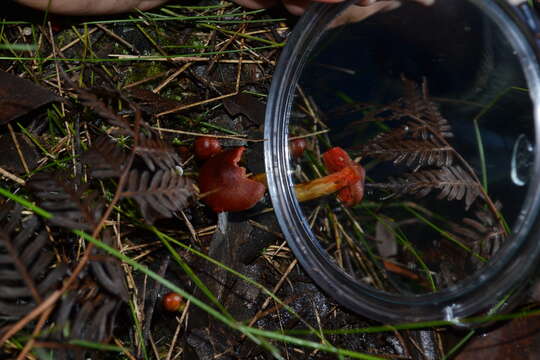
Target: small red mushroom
{"points": [[173, 302], [337, 159], [205, 147], [297, 147], [224, 184]]}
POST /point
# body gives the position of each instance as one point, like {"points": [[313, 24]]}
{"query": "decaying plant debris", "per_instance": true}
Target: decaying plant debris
{"points": [[115, 160]]}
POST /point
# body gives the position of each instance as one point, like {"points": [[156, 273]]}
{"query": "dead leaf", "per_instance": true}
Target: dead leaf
{"points": [[19, 96], [518, 339], [385, 238], [247, 105], [9, 156]]}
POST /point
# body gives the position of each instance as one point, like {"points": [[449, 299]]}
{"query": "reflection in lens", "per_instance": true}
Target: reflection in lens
{"points": [[522, 159], [425, 110]]}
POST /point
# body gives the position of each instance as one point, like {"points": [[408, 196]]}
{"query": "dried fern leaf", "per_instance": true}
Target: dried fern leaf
{"points": [[70, 205], [414, 108], [27, 271], [105, 158], [156, 153], [453, 183], [107, 270], [413, 153], [91, 101], [484, 231], [158, 195], [85, 313], [416, 104]]}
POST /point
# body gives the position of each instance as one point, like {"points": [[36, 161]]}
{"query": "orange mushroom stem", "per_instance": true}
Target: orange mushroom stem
{"points": [[322, 186]]}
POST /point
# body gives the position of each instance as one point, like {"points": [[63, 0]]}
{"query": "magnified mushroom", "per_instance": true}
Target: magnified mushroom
{"points": [[337, 159], [297, 147]]}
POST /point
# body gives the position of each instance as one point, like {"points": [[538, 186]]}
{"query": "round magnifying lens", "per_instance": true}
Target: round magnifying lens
{"points": [[417, 194]]}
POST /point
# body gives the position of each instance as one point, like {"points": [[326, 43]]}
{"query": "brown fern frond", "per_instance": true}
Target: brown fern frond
{"points": [[28, 272], [105, 158], [417, 151], [416, 110], [159, 194], [156, 153], [85, 313], [72, 206], [484, 231], [416, 104], [90, 100], [107, 270], [453, 182]]}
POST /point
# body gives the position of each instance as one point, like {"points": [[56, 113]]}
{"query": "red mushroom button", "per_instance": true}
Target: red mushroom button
{"points": [[205, 147], [173, 302]]}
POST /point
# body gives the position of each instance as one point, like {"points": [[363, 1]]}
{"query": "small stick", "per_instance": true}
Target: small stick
{"points": [[12, 177]]}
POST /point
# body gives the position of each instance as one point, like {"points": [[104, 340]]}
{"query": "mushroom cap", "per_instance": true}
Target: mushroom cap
{"points": [[205, 147], [226, 183], [297, 146], [173, 302], [337, 159], [353, 194]]}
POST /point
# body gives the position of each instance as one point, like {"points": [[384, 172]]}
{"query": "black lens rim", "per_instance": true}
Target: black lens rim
{"points": [[506, 272]]}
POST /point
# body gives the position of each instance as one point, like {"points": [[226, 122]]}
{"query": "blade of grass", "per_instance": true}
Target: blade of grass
{"points": [[96, 346], [174, 18], [138, 329]]}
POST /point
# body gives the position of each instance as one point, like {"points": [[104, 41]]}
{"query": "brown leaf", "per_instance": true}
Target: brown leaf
{"points": [[247, 105], [9, 156], [385, 237], [19, 96], [518, 339]]}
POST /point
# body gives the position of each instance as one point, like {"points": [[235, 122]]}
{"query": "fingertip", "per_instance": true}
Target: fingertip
{"points": [[296, 7]]}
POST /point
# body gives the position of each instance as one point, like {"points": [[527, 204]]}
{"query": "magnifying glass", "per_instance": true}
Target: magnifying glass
{"points": [[439, 107]]}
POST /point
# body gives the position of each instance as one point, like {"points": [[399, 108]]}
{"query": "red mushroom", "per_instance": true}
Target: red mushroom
{"points": [[298, 146], [205, 147], [337, 159], [224, 184], [173, 302]]}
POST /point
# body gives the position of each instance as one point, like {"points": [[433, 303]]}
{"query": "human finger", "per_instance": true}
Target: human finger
{"points": [[357, 13], [296, 7], [90, 7]]}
